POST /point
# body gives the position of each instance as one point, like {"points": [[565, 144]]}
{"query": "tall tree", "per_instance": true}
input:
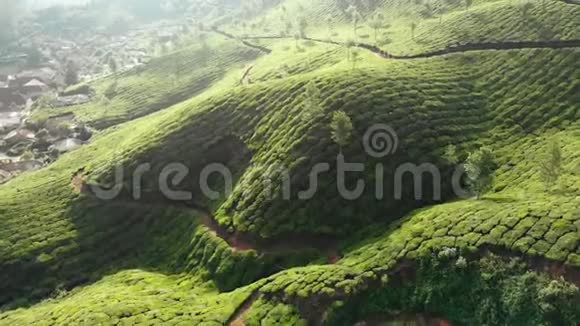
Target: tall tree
{"points": [[302, 24], [113, 65], [550, 165], [341, 129], [354, 14], [440, 11], [468, 4], [111, 91], [450, 155], [377, 23], [413, 26], [479, 169], [355, 58], [312, 102], [329, 24], [296, 40], [349, 44]]}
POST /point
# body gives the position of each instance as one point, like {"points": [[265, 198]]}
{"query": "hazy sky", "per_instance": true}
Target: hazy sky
{"points": [[47, 3]]}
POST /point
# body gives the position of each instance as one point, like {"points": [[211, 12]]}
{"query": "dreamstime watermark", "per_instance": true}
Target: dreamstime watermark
{"points": [[379, 141]]}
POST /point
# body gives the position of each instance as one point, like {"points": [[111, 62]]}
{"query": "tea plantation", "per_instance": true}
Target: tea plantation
{"points": [[262, 254]]}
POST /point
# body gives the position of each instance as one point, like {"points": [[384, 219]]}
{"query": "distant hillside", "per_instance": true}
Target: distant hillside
{"points": [[259, 95]]}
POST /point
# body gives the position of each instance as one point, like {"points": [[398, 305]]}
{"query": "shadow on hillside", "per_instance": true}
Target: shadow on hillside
{"points": [[110, 236], [499, 200]]}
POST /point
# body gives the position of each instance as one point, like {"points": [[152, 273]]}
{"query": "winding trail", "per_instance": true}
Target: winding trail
{"points": [[237, 318], [289, 242], [246, 43], [238, 241], [485, 46]]}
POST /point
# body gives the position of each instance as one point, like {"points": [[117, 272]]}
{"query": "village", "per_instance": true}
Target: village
{"points": [[35, 81]]}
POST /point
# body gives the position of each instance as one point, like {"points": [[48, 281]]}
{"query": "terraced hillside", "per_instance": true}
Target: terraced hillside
{"points": [[269, 252], [410, 28], [161, 83]]}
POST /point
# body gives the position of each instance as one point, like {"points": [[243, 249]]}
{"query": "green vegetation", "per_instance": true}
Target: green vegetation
{"points": [[490, 291], [341, 127], [479, 169], [509, 117], [162, 83], [551, 165]]}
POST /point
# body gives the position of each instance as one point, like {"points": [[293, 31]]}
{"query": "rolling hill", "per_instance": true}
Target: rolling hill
{"points": [[257, 255]]}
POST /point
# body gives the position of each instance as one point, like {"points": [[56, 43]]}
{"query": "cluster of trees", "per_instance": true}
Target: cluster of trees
{"points": [[480, 165], [375, 22], [487, 291]]}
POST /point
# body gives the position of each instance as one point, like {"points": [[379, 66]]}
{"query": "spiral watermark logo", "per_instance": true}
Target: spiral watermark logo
{"points": [[380, 140], [405, 180]]}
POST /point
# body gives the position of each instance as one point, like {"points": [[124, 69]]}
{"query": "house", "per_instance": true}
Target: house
{"points": [[10, 120], [34, 88], [3, 81], [54, 121], [9, 168], [9, 98], [19, 135], [46, 75], [19, 166], [67, 145], [70, 100]]}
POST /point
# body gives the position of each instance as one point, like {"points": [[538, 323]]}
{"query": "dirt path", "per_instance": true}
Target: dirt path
{"points": [[283, 243], [239, 241], [237, 318], [246, 43], [485, 46], [493, 46]]}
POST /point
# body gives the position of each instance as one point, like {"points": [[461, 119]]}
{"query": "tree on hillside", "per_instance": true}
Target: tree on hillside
{"points": [[330, 26], [113, 65], [296, 40], [525, 8], [341, 129], [302, 24], [111, 91], [413, 26], [450, 155], [354, 17], [349, 44], [468, 4], [550, 165], [312, 102], [71, 75], [355, 57], [428, 10], [377, 23], [440, 11], [479, 168], [288, 27]]}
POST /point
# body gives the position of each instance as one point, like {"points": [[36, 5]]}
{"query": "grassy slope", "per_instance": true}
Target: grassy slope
{"points": [[527, 209], [484, 22], [268, 119], [70, 237], [165, 81]]}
